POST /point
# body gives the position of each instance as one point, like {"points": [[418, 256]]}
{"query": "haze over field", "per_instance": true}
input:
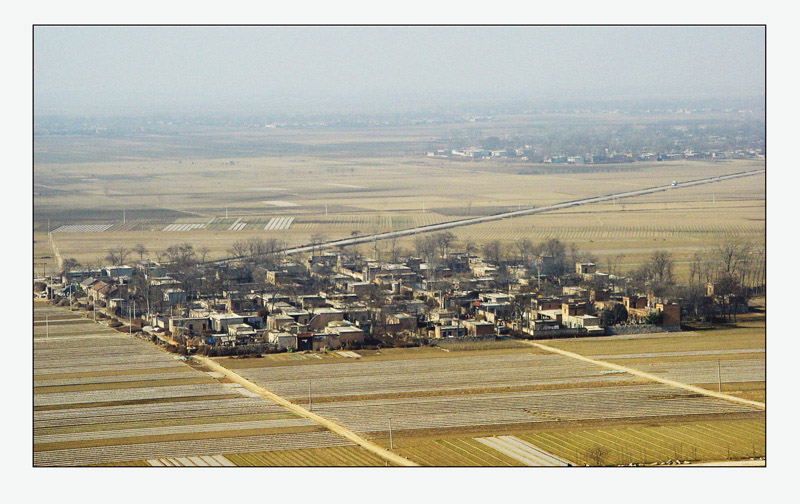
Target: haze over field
{"points": [[147, 70]]}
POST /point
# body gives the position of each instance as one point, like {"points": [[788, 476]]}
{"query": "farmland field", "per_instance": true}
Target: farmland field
{"points": [[438, 405], [621, 444], [103, 397], [171, 195]]}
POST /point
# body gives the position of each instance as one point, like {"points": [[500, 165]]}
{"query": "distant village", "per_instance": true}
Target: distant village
{"points": [[340, 300], [533, 154]]}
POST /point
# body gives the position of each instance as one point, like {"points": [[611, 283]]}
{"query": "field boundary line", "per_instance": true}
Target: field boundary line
{"points": [[52, 240], [642, 374], [299, 410]]}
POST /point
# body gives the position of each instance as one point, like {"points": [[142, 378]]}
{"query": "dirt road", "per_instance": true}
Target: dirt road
{"points": [[299, 410], [648, 376]]}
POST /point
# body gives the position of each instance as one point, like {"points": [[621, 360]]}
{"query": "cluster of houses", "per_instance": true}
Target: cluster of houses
{"points": [[362, 300], [535, 155]]}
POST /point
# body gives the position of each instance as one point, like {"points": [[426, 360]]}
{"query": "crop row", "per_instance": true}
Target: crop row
{"points": [[91, 380], [540, 406], [709, 371], [341, 456], [211, 446], [419, 375], [210, 428], [153, 412], [454, 452], [131, 394], [709, 440]]}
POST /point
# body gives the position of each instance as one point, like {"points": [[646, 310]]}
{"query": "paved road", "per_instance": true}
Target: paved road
{"points": [[505, 215]]}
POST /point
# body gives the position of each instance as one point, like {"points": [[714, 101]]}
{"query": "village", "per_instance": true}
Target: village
{"points": [[341, 300]]}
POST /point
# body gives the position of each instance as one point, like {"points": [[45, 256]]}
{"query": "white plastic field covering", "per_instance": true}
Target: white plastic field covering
{"points": [[172, 449], [706, 371], [571, 404], [130, 418], [83, 228], [237, 226], [420, 375], [184, 227], [201, 461], [281, 203], [180, 410], [279, 223], [523, 451], [689, 353], [174, 429]]}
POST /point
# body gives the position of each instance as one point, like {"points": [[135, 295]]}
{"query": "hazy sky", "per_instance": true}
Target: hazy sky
{"points": [[295, 69]]}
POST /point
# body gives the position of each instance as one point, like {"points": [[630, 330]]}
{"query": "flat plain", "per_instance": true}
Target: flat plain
{"points": [[160, 192]]}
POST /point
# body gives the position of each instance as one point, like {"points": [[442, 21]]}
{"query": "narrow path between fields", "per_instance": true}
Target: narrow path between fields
{"points": [[59, 260], [299, 410], [642, 374]]}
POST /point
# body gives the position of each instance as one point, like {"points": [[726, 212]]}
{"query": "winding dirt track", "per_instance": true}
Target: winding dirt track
{"points": [[648, 376], [299, 410]]}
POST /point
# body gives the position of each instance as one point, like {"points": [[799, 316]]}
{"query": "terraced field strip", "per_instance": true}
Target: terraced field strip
{"points": [[279, 223], [160, 412], [501, 409], [237, 226], [162, 449], [688, 353], [184, 227], [650, 444], [523, 451], [198, 461], [300, 411], [453, 452], [340, 456], [708, 371], [649, 376], [358, 377], [82, 228]]}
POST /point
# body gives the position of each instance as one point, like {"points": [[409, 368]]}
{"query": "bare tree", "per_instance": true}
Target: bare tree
{"points": [[525, 249], [141, 250], [203, 251], [493, 251], [597, 455], [444, 240], [117, 255]]}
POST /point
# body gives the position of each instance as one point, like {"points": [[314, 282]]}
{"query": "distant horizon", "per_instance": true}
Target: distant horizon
{"points": [[152, 70]]}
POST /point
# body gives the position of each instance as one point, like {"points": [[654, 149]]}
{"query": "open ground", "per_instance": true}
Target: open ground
{"points": [[160, 193]]}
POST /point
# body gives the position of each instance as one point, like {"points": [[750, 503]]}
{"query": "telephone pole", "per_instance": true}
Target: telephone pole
{"points": [[391, 441], [309, 396], [47, 326], [719, 377]]}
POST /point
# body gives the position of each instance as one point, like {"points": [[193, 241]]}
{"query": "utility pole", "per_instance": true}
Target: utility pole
{"points": [[130, 322], [719, 377], [309, 396], [391, 441], [47, 326], [94, 310]]}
